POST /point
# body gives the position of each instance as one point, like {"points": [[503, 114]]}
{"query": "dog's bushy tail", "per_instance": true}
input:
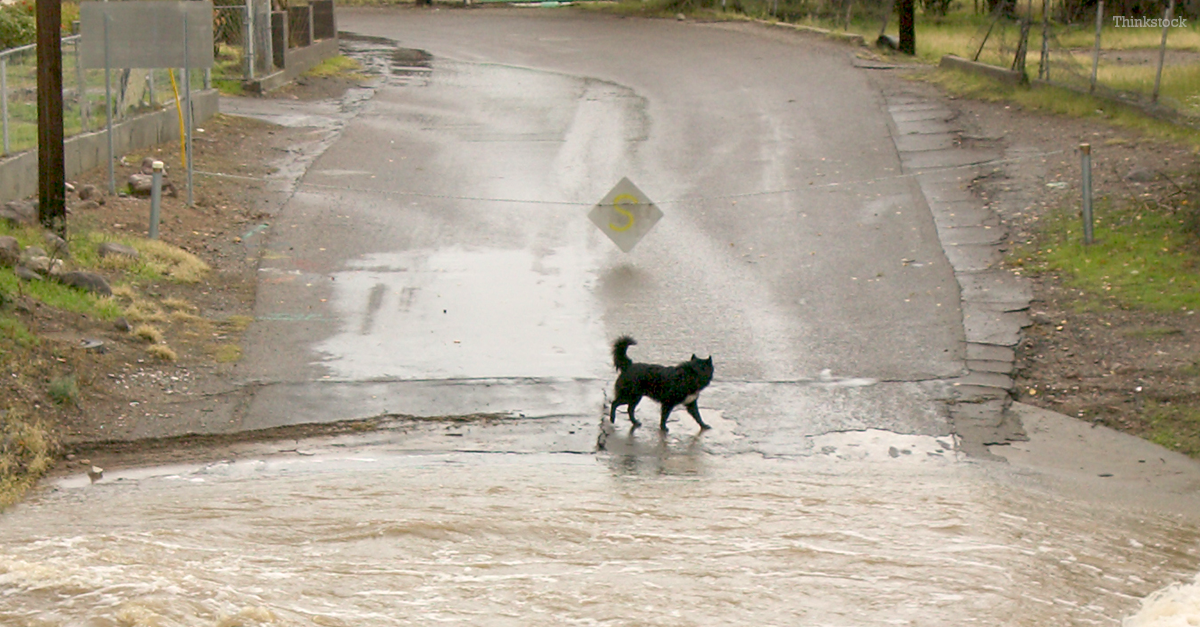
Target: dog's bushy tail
{"points": [[620, 360]]}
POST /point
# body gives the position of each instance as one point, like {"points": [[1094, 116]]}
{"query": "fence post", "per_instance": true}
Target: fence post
{"points": [[4, 98], [82, 82], [1162, 50], [1096, 52], [155, 197], [1085, 151], [248, 40], [1044, 63]]}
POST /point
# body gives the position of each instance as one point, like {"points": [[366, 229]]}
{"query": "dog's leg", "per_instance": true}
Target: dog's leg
{"points": [[612, 411], [694, 410], [631, 406], [666, 412]]}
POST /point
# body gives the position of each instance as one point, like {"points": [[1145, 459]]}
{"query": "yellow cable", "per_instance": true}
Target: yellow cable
{"points": [[183, 156]]}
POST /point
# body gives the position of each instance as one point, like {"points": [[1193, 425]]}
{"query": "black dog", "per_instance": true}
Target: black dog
{"points": [[669, 385]]}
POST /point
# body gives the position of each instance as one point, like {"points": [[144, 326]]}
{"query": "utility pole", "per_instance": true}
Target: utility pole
{"points": [[52, 173], [908, 33]]}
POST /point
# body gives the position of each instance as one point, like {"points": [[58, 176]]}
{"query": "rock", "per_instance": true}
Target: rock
{"points": [[88, 205], [33, 251], [148, 166], [87, 281], [44, 264], [110, 249], [87, 192], [122, 324], [142, 184], [19, 212], [1141, 175], [69, 187], [25, 274], [10, 251], [95, 473], [57, 245]]}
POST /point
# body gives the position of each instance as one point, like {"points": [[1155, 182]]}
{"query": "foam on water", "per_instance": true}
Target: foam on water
{"points": [[1177, 605]]}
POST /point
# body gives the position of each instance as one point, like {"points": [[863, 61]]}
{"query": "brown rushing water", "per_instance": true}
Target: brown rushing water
{"points": [[369, 538]]}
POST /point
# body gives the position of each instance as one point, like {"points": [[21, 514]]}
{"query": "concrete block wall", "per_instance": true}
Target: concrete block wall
{"points": [[19, 173]]}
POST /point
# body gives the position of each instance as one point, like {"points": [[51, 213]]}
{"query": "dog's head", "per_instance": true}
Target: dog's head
{"points": [[704, 367]]}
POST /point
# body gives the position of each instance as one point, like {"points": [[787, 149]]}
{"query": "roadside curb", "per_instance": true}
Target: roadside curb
{"points": [[994, 302]]}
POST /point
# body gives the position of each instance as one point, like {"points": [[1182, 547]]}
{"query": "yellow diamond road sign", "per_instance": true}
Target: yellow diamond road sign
{"points": [[625, 215]]}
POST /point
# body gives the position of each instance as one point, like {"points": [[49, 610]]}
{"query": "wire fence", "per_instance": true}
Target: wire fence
{"points": [[133, 91], [1149, 62], [1051, 40], [242, 46]]}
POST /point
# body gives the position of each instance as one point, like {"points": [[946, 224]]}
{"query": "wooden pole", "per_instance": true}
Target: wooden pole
{"points": [[52, 174], [908, 33], [1096, 51]]}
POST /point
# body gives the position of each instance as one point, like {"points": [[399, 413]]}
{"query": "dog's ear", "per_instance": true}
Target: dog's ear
{"points": [[694, 357]]}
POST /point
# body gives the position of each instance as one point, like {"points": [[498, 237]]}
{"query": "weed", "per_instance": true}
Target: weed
{"points": [[148, 333], [161, 352], [237, 323], [178, 304], [227, 353], [26, 452], [64, 390], [144, 311]]}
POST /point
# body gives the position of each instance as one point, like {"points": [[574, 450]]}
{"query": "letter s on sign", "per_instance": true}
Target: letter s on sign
{"points": [[624, 199]]}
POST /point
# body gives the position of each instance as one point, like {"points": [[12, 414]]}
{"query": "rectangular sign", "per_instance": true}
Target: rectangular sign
{"points": [[145, 34]]}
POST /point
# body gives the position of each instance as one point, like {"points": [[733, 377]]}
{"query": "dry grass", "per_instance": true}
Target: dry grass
{"points": [[148, 333], [162, 352], [26, 452]]}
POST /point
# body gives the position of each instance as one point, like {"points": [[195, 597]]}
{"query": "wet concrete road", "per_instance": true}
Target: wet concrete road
{"points": [[437, 259]]}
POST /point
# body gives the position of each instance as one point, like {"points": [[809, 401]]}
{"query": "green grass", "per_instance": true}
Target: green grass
{"points": [[64, 390], [1141, 259], [158, 261], [15, 331], [338, 66], [1175, 426]]}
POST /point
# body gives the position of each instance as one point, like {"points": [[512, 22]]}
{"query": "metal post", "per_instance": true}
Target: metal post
{"points": [[81, 81], [187, 118], [4, 99], [1162, 51], [1085, 151], [150, 82], [1096, 52], [155, 197], [108, 108], [248, 40]]}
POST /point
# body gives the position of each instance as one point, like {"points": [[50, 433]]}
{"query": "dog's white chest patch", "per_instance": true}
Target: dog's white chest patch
{"points": [[691, 398]]}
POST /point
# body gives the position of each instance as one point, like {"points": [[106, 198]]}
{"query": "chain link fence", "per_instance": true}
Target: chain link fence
{"points": [[133, 91]]}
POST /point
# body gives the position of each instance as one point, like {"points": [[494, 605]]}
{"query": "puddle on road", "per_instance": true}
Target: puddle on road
{"points": [[364, 538], [418, 314]]}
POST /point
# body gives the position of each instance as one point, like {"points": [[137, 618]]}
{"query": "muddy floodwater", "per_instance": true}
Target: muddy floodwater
{"points": [[674, 537]]}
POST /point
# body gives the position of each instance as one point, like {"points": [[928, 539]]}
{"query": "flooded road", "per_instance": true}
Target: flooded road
{"points": [[660, 535]]}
